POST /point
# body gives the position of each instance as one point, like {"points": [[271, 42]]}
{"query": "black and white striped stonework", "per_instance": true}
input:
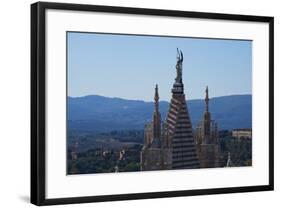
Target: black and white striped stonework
{"points": [[179, 126]]}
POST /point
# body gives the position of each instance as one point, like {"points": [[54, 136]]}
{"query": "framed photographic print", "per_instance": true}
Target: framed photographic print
{"points": [[134, 103]]}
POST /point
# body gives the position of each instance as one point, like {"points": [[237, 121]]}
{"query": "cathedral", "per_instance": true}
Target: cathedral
{"points": [[173, 144]]}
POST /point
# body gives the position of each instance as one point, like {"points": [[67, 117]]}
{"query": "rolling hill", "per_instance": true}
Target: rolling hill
{"points": [[95, 113]]}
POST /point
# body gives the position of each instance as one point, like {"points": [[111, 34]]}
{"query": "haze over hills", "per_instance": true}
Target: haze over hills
{"points": [[95, 113]]}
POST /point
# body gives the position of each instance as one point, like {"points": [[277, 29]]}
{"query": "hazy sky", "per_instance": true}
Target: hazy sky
{"points": [[128, 66]]}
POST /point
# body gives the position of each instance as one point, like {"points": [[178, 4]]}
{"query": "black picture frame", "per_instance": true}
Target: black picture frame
{"points": [[38, 102]]}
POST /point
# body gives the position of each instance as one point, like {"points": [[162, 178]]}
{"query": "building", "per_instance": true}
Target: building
{"points": [[242, 133], [170, 145], [206, 135]]}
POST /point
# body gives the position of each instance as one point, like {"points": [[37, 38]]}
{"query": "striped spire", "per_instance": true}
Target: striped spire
{"points": [[179, 125]]}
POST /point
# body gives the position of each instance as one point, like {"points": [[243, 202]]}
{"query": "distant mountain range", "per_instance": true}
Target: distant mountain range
{"points": [[95, 113]]}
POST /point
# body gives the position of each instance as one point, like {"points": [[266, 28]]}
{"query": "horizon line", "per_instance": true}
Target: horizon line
{"points": [[152, 98]]}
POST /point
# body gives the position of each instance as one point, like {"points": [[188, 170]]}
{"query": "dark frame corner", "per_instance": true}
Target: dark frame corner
{"points": [[38, 12]]}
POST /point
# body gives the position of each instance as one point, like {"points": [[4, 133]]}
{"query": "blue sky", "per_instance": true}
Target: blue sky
{"points": [[129, 66]]}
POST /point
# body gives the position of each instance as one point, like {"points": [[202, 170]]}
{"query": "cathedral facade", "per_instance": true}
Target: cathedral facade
{"points": [[173, 143]]}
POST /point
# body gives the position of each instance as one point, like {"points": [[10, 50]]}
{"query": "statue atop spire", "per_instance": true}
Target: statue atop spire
{"points": [[179, 66], [178, 85]]}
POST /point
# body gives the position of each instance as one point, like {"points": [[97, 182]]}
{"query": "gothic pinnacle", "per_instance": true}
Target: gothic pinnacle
{"points": [[156, 98], [207, 99]]}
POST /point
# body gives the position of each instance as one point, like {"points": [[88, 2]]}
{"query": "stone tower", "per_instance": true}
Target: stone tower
{"points": [[156, 120], [179, 127], [155, 155], [206, 135]]}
